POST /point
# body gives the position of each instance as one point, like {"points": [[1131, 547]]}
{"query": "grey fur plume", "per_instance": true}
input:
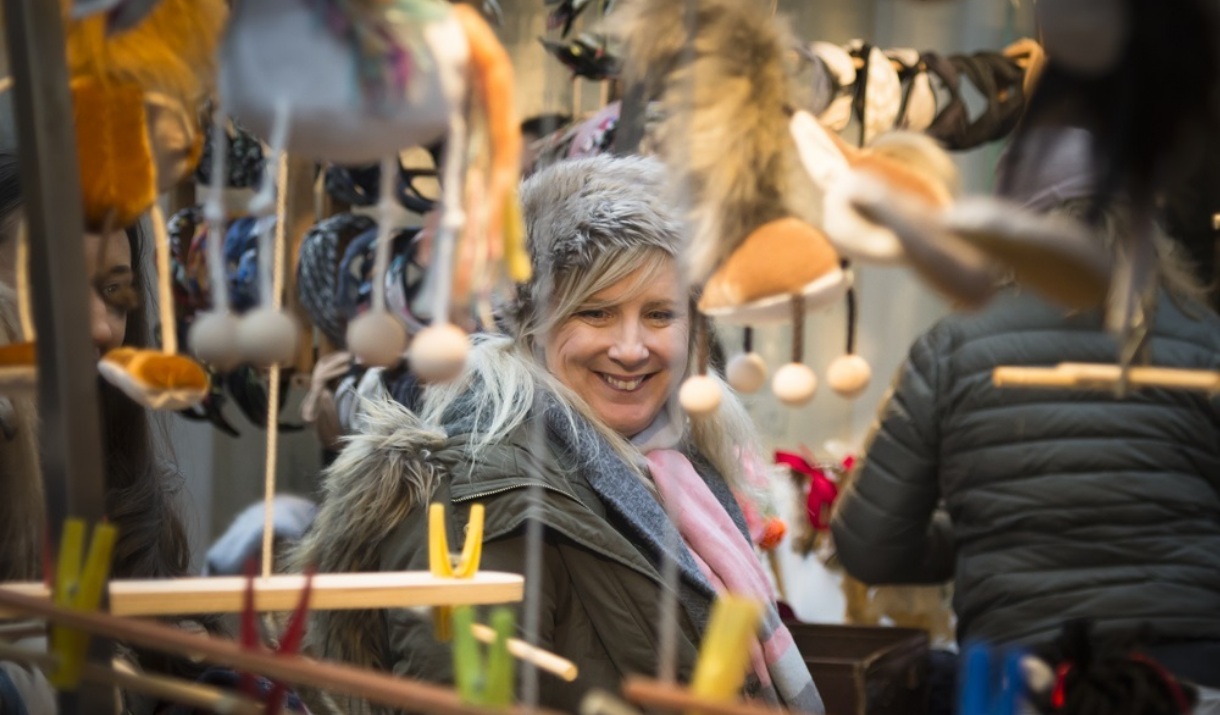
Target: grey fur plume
{"points": [[385, 471], [725, 135]]}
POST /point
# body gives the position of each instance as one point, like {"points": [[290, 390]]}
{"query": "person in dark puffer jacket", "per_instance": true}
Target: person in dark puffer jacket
{"points": [[1053, 504]]}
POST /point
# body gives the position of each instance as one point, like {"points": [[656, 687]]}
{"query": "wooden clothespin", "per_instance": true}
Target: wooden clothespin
{"points": [[724, 656], [983, 693], [78, 588], [487, 683], [290, 643], [441, 563]]}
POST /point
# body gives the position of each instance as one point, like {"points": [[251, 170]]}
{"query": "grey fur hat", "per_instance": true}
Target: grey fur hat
{"points": [[578, 209]]}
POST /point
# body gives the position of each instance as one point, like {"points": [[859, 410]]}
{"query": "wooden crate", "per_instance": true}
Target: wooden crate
{"points": [[866, 670]]}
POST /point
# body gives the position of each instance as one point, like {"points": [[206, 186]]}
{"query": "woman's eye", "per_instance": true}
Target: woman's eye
{"points": [[663, 316], [593, 314]]}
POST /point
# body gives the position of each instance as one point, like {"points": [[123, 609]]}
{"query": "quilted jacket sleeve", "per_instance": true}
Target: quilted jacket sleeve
{"points": [[886, 526]]}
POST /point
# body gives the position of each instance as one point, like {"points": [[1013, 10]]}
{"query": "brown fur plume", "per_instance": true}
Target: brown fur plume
{"points": [[725, 135]]}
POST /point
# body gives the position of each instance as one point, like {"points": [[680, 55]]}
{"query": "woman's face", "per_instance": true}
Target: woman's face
{"points": [[625, 353], [113, 291]]}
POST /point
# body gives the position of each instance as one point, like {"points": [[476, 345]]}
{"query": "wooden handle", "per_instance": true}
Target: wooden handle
{"points": [[1084, 376], [405, 589], [294, 670], [669, 696], [521, 650]]}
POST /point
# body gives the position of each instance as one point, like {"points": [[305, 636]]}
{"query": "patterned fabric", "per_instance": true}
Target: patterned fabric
{"points": [[729, 562], [245, 161], [318, 271]]}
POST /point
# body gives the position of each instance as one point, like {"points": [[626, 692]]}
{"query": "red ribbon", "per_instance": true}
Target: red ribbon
{"points": [[822, 489]]}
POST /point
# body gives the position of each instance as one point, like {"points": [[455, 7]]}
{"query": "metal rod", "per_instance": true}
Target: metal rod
{"points": [[71, 454]]}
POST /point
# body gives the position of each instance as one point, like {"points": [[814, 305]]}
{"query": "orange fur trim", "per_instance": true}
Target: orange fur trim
{"points": [[118, 181]]}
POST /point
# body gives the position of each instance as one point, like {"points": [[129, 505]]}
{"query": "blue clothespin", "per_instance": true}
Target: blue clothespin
{"points": [[982, 691]]}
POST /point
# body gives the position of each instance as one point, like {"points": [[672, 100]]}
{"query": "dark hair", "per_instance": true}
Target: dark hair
{"points": [[140, 489]]}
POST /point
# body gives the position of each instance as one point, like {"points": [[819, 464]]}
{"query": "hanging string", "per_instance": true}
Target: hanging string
{"points": [[699, 324], [214, 212], [165, 292], [385, 231], [747, 340], [25, 308], [273, 386], [851, 320], [798, 329]]}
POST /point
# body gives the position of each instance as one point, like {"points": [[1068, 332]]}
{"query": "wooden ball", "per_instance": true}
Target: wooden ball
{"points": [[377, 339], [700, 395], [266, 336], [794, 384], [438, 352], [213, 339], [849, 375], [747, 372]]}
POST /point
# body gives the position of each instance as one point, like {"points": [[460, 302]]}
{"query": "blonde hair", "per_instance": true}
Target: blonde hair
{"points": [[510, 374]]}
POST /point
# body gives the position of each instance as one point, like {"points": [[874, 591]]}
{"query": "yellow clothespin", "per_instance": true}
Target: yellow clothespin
{"points": [[724, 656], [81, 590], [440, 560]]}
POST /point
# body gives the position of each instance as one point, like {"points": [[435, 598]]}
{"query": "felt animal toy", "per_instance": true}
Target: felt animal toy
{"points": [[725, 94], [418, 63]]}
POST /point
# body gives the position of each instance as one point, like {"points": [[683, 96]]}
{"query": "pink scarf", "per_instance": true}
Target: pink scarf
{"points": [[731, 565]]}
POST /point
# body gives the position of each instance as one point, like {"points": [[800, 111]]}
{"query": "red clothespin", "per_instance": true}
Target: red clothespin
{"points": [[290, 644]]}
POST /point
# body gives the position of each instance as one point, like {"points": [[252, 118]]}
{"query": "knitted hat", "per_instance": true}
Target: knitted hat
{"points": [[576, 210]]}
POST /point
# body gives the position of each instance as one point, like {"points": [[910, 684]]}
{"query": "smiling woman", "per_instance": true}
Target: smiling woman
{"points": [[578, 400]]}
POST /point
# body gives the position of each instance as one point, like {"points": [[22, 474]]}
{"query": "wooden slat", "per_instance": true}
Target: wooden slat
{"points": [[164, 597], [1082, 376], [373, 686]]}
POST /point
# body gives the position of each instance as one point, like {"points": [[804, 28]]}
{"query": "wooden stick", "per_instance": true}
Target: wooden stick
{"points": [[1084, 376], [164, 597], [543, 659], [667, 696], [173, 689], [294, 670]]}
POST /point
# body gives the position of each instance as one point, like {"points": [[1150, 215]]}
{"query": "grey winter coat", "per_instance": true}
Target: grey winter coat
{"points": [[1056, 504], [601, 587]]}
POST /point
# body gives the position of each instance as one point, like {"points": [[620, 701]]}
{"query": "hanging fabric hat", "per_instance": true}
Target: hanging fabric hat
{"points": [[842, 71], [244, 163], [918, 99], [879, 96], [318, 271]]}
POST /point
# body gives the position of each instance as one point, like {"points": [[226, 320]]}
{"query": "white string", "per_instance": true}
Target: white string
{"points": [[385, 230], [452, 215], [25, 305], [214, 212], [165, 292], [273, 387]]}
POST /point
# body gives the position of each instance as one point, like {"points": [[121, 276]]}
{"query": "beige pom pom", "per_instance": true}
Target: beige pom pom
{"points": [[377, 339], [266, 336], [700, 395], [213, 339], [438, 353], [848, 375], [747, 372], [794, 384]]}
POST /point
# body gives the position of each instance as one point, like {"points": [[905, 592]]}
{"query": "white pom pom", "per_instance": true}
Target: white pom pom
{"points": [[848, 375], [213, 339], [438, 353], [700, 395], [794, 384], [266, 336], [377, 339], [747, 372]]}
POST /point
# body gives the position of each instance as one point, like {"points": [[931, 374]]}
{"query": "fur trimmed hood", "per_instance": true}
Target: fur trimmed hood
{"points": [[381, 475]]}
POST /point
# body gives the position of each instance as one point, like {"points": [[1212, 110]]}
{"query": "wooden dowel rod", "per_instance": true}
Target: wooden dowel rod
{"points": [[172, 689], [543, 659], [166, 597], [293, 670], [666, 696], [1083, 376]]}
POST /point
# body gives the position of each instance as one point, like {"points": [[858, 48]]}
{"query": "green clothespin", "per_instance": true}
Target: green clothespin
{"points": [[79, 589], [487, 684]]}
